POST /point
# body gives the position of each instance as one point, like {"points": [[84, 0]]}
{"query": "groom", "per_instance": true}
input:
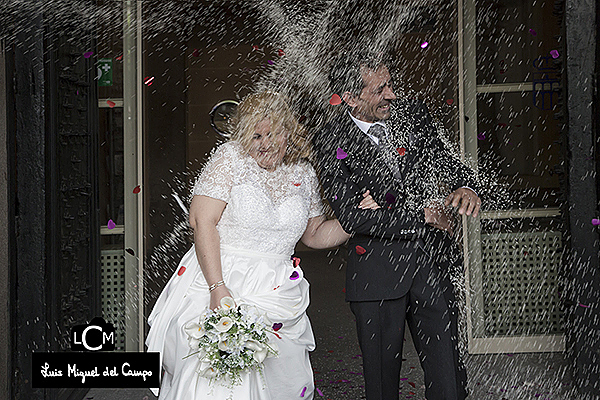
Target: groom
{"points": [[398, 256]]}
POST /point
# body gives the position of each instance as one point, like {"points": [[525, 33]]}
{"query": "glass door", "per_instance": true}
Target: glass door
{"points": [[509, 92], [120, 174]]}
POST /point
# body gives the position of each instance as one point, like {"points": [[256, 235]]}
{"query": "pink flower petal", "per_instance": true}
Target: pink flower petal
{"points": [[88, 54], [335, 100], [595, 221], [341, 154], [319, 392], [111, 224], [424, 44], [554, 53], [296, 261]]}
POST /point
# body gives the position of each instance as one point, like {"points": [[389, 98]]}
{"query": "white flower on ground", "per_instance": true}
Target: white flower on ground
{"points": [[224, 324]]}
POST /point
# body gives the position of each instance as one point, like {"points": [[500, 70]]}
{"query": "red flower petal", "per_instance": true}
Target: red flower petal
{"points": [[111, 103], [196, 53], [136, 189], [277, 326], [181, 270], [360, 250], [119, 58], [412, 384], [297, 184], [450, 101], [255, 47], [341, 154], [280, 53], [401, 151], [335, 100]]}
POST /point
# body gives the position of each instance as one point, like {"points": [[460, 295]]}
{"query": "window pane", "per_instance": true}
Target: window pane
{"points": [[511, 35], [518, 141]]}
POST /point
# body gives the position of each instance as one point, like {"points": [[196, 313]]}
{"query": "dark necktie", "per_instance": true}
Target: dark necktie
{"points": [[387, 150]]}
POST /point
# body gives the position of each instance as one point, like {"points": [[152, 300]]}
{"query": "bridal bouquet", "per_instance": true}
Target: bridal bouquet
{"points": [[230, 340]]}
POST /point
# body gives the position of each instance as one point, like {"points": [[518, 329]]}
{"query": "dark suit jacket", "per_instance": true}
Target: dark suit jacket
{"points": [[390, 235]]}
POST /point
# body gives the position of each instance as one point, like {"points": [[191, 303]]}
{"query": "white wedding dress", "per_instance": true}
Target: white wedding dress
{"points": [[265, 216]]}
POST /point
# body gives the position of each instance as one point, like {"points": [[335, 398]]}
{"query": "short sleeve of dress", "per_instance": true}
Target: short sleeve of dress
{"points": [[316, 204], [216, 178]]}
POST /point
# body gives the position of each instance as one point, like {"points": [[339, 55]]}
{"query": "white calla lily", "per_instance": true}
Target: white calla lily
{"points": [[224, 324], [227, 303]]}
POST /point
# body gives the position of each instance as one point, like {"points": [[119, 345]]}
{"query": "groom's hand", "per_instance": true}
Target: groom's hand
{"points": [[467, 199], [439, 217]]}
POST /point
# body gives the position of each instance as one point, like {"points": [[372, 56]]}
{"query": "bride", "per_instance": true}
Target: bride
{"points": [[255, 198]]}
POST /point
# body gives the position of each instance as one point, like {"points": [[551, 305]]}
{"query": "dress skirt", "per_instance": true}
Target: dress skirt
{"points": [[275, 287]]}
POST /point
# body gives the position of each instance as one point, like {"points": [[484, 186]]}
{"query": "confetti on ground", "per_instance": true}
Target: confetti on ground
{"points": [[196, 53], [88, 54], [149, 80], [554, 53], [450, 101], [277, 326], [319, 392], [271, 62], [360, 250], [424, 44], [595, 221], [254, 47], [181, 270], [111, 103], [294, 275], [119, 57], [401, 151], [111, 224], [136, 189], [335, 197], [280, 52], [534, 33], [341, 154], [303, 391], [335, 100], [481, 136], [583, 305], [412, 384], [297, 184], [130, 251]]}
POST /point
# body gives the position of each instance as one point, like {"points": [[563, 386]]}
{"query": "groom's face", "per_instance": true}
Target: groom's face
{"points": [[373, 102]]}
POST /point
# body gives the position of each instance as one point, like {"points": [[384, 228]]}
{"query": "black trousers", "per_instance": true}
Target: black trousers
{"points": [[429, 308]]}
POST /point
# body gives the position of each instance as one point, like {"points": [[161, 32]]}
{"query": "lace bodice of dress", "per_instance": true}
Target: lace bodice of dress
{"points": [[266, 211]]}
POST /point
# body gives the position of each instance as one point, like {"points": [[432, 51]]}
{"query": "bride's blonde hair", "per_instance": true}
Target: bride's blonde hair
{"points": [[257, 107]]}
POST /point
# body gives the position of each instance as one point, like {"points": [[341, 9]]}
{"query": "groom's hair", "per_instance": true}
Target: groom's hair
{"points": [[345, 73]]}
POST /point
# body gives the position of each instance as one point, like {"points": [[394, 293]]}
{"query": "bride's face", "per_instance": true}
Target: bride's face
{"points": [[266, 147]]}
